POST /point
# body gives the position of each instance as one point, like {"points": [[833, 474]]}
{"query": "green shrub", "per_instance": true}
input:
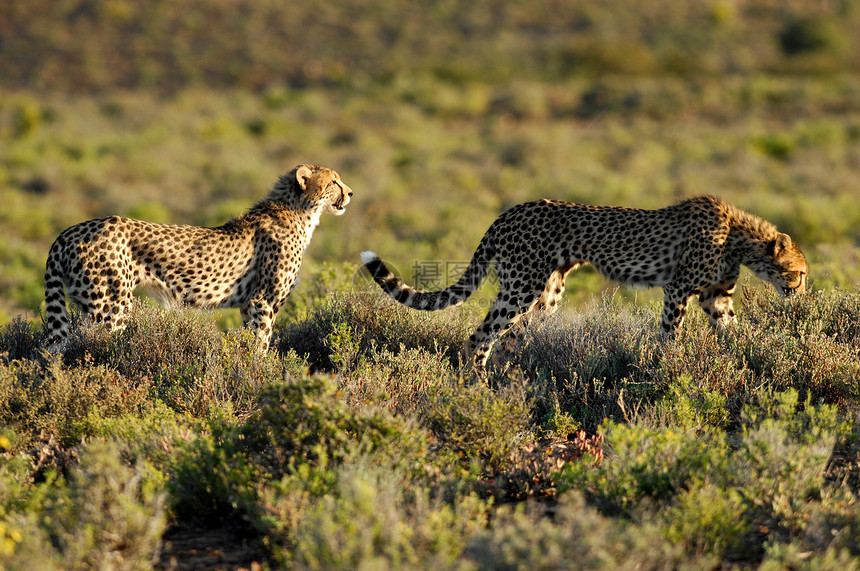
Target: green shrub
{"points": [[477, 423], [576, 536], [236, 372], [212, 477], [815, 44], [691, 406], [778, 146], [107, 515], [400, 380], [167, 345], [372, 321], [782, 458], [593, 364], [826, 313], [48, 398], [306, 422], [619, 56], [155, 432], [19, 340], [190, 365], [656, 464], [605, 363], [770, 487], [793, 556], [377, 519], [301, 432], [795, 344], [561, 425], [707, 518], [16, 492], [26, 119], [819, 33]]}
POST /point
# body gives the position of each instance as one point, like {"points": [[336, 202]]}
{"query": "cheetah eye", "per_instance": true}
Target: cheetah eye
{"points": [[792, 277]]}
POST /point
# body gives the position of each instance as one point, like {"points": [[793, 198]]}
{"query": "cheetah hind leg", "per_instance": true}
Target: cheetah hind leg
{"points": [[716, 301], [503, 315], [114, 311], [516, 340]]}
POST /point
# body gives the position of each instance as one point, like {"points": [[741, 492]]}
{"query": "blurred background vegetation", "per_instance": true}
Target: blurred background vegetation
{"points": [[438, 114]]}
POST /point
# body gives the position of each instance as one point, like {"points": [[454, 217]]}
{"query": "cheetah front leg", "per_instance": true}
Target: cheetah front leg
{"points": [[716, 301], [259, 316], [675, 302], [275, 278]]}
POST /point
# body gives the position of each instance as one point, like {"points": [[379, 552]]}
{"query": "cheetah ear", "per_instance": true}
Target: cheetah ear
{"points": [[303, 176], [782, 242]]}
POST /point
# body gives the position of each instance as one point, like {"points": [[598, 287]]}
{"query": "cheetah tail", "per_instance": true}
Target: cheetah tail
{"points": [[56, 315], [454, 294]]}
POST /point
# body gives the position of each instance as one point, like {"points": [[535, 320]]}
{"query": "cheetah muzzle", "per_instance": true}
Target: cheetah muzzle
{"points": [[695, 247], [251, 262]]}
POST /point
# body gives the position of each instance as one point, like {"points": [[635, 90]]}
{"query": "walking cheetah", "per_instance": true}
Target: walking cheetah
{"points": [[695, 247], [251, 262]]}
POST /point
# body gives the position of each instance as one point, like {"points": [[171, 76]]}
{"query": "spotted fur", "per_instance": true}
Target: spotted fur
{"points": [[251, 262], [695, 247]]}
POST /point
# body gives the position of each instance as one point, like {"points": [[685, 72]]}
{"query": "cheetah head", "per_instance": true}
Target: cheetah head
{"points": [[785, 267], [322, 186]]}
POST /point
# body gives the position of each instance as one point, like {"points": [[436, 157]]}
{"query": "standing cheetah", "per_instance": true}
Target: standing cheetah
{"points": [[251, 262], [695, 247]]}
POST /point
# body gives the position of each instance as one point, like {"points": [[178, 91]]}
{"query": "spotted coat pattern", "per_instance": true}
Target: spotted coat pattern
{"points": [[251, 262], [695, 247]]}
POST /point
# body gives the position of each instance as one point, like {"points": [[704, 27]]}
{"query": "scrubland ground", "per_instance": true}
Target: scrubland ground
{"points": [[171, 444]]}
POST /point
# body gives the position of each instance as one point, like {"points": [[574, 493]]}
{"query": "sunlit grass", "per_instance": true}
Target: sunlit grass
{"points": [[694, 446], [428, 184]]}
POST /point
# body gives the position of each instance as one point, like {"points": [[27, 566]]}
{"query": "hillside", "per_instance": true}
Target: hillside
{"points": [[88, 45]]}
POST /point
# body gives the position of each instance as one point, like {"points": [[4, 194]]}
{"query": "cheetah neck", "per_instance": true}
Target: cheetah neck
{"points": [[278, 219], [748, 235]]}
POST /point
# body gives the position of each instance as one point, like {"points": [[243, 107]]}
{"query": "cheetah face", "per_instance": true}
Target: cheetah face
{"points": [[339, 195], [322, 186], [788, 270]]}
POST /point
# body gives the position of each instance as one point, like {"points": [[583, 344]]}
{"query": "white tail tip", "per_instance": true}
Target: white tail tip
{"points": [[367, 256]]}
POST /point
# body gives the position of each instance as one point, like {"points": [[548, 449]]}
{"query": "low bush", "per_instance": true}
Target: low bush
{"points": [[732, 501], [574, 536], [811, 34], [302, 431], [598, 446], [189, 364], [306, 423], [656, 464], [105, 515], [400, 381], [46, 398], [373, 322], [479, 425], [378, 518], [110, 514], [608, 363]]}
